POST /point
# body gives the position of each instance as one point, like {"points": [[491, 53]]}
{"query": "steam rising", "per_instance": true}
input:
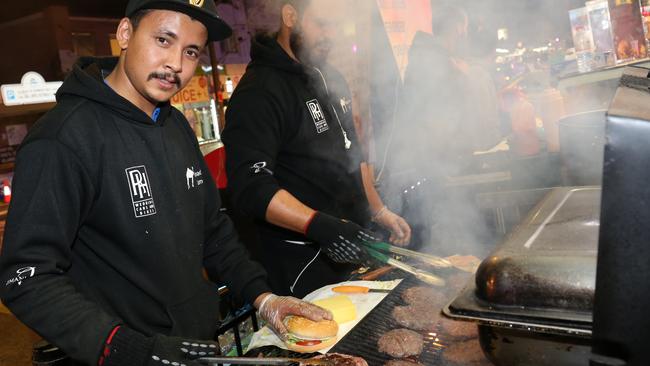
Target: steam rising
{"points": [[421, 136]]}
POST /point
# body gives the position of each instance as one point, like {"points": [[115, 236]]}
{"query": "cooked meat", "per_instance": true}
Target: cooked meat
{"points": [[464, 353], [401, 343], [424, 297], [415, 317], [458, 328], [402, 363], [335, 359]]}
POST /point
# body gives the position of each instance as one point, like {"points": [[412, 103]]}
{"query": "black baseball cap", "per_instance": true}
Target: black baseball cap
{"points": [[205, 11]]}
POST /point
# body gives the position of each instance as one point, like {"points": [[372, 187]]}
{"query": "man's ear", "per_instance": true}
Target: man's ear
{"points": [[289, 16], [124, 33]]}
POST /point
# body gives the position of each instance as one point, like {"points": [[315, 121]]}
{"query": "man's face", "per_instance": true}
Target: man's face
{"points": [[312, 40], [163, 53]]}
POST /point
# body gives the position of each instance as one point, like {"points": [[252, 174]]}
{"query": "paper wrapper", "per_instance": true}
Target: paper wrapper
{"points": [[364, 303]]}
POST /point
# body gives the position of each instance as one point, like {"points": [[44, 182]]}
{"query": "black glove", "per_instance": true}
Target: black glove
{"points": [[129, 348], [341, 240]]}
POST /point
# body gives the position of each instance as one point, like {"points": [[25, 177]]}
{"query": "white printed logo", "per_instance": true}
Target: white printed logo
{"points": [[260, 167], [189, 175], [346, 105], [193, 178], [22, 274], [140, 188], [317, 115]]}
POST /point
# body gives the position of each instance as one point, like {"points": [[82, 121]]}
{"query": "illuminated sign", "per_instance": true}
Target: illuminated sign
{"points": [[32, 90], [402, 19], [196, 91]]}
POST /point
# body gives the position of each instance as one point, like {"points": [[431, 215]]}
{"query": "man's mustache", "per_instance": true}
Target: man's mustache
{"points": [[171, 77]]}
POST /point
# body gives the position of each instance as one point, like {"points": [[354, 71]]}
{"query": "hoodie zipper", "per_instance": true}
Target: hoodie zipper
{"points": [[346, 140]]}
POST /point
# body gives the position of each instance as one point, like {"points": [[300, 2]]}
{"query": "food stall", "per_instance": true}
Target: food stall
{"points": [[607, 36], [20, 106]]}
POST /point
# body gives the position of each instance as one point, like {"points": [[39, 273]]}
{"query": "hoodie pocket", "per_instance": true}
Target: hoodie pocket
{"points": [[198, 316]]}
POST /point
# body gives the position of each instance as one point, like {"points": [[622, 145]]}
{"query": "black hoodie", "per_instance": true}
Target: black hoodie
{"points": [[113, 216], [285, 128]]}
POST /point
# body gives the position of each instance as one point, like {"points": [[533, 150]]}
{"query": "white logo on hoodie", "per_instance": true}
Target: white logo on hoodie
{"points": [[22, 274], [141, 195], [318, 116], [193, 178]]}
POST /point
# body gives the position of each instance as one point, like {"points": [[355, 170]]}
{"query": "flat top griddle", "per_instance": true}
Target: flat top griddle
{"points": [[542, 279], [362, 340]]}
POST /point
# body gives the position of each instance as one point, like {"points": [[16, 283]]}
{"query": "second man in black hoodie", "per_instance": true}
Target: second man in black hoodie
{"points": [[293, 157]]}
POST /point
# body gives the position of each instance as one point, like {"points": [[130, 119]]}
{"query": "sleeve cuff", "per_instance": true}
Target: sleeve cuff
{"points": [[127, 347], [255, 289]]}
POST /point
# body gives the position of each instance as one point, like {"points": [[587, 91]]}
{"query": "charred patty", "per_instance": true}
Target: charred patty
{"points": [[424, 297], [402, 363], [458, 329], [401, 343], [337, 359], [464, 353], [415, 317]]}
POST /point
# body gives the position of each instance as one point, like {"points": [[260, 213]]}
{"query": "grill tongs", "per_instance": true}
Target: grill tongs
{"points": [[429, 259], [277, 361], [421, 275]]}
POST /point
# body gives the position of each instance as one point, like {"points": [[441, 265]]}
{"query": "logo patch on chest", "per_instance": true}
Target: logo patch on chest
{"points": [[318, 116], [194, 178], [140, 188]]}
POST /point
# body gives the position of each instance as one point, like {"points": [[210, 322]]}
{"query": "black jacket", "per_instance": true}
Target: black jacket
{"points": [[113, 216], [434, 133], [285, 130]]}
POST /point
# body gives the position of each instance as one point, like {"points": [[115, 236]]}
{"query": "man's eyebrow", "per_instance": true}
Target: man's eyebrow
{"points": [[173, 35], [168, 33]]}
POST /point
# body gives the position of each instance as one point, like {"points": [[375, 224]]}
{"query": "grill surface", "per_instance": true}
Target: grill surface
{"points": [[362, 340]]}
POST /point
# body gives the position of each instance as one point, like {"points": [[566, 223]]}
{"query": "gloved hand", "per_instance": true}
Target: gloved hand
{"points": [[274, 309], [127, 347], [341, 240], [400, 231]]}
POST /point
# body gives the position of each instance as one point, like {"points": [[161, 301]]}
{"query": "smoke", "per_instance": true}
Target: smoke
{"points": [[429, 173], [426, 106]]}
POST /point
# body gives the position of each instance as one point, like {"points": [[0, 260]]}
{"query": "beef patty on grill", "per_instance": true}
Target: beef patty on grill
{"points": [[337, 359], [459, 329], [401, 343], [464, 353], [424, 297], [415, 317], [402, 363]]}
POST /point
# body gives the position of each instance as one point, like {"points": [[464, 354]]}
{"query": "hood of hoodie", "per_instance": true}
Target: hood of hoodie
{"points": [[86, 81], [266, 51]]}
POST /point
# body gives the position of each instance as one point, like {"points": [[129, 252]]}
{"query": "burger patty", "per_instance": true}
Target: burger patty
{"points": [[424, 297], [402, 363], [415, 317], [337, 359], [459, 329], [464, 353], [401, 343]]}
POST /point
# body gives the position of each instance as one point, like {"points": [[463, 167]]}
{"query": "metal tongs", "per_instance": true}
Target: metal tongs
{"points": [[277, 361], [421, 275], [429, 259]]}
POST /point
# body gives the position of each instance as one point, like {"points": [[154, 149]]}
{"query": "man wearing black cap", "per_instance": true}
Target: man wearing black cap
{"points": [[107, 233]]}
